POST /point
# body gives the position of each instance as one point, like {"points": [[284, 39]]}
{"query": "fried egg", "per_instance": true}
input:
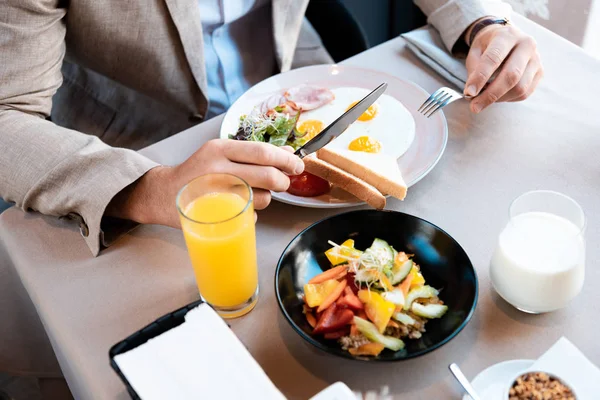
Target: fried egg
{"points": [[387, 127], [310, 127]]}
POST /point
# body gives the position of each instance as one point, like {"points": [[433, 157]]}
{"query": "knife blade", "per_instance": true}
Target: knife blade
{"points": [[338, 126]]}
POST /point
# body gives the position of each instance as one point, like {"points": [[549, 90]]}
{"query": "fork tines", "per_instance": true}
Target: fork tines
{"points": [[439, 99]]}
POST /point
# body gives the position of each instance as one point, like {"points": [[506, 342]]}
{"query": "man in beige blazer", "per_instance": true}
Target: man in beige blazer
{"points": [[116, 76], [84, 83]]}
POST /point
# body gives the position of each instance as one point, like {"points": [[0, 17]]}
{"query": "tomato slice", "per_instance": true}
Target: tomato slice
{"points": [[333, 319], [337, 334], [351, 301], [352, 283], [308, 185]]}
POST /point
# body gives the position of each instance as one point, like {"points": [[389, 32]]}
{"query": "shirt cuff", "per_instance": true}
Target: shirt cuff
{"points": [[454, 17], [98, 230]]}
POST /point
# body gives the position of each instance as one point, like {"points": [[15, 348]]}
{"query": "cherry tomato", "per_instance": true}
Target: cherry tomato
{"points": [[308, 185]]}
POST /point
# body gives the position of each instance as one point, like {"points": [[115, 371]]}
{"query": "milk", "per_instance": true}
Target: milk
{"points": [[538, 265]]}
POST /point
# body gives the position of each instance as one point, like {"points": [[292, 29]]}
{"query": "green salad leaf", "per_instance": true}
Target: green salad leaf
{"points": [[276, 126], [281, 128]]}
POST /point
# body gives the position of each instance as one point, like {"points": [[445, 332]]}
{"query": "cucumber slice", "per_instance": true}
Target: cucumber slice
{"points": [[423, 292], [429, 311], [382, 251], [370, 332], [401, 271], [395, 296], [404, 318]]}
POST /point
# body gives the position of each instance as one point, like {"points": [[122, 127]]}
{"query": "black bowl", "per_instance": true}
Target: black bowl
{"points": [[444, 264]]}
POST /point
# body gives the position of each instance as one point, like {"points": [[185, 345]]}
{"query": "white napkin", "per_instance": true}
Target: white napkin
{"points": [[201, 358], [337, 391], [566, 361], [427, 45]]}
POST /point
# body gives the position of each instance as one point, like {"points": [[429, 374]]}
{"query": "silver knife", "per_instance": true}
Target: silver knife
{"points": [[338, 126]]}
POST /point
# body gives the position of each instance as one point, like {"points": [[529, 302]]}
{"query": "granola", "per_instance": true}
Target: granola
{"points": [[539, 386]]}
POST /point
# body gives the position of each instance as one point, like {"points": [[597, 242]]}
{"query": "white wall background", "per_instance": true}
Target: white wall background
{"points": [[591, 40], [575, 20]]}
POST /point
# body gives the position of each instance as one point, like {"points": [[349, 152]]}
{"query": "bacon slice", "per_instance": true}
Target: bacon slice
{"points": [[307, 97]]}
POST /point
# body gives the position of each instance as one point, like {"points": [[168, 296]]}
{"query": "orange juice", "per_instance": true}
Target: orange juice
{"points": [[222, 248]]}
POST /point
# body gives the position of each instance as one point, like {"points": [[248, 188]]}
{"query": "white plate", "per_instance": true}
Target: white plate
{"points": [[491, 382], [430, 137]]}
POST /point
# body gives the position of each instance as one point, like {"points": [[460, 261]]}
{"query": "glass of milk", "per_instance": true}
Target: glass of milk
{"points": [[539, 263]]}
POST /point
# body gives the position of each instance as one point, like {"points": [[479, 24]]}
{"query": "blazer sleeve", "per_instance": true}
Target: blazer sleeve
{"points": [[44, 167], [452, 17]]}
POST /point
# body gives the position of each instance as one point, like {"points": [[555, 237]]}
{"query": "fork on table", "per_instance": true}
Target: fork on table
{"points": [[439, 99]]}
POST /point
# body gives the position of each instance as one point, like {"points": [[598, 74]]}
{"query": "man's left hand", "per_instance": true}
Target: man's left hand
{"points": [[511, 56]]}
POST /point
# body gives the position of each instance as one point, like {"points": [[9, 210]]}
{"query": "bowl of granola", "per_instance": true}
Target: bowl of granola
{"points": [[538, 385]]}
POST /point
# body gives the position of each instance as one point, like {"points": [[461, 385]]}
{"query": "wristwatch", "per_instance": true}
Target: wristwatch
{"points": [[482, 23], [462, 45]]}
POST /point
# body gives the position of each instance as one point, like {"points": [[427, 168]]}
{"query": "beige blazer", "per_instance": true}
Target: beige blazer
{"points": [[115, 76]]}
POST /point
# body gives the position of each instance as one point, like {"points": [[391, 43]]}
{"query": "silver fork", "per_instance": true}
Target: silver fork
{"points": [[439, 99]]}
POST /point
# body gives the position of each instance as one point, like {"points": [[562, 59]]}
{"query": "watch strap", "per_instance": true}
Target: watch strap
{"points": [[479, 25]]}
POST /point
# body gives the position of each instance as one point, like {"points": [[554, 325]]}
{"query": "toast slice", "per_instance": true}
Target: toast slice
{"points": [[378, 170], [350, 183]]}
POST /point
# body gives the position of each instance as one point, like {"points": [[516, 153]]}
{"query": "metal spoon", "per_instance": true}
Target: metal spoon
{"points": [[464, 382]]}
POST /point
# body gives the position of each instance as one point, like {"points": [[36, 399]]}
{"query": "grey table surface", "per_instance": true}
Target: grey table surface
{"points": [[550, 141]]}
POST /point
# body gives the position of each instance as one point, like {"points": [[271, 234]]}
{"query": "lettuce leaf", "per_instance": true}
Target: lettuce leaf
{"points": [[281, 128]]}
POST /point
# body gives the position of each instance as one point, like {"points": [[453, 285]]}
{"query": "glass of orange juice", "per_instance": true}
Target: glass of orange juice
{"points": [[217, 219]]}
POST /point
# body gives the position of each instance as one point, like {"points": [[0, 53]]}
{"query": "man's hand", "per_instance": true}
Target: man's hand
{"points": [[151, 200], [511, 56]]}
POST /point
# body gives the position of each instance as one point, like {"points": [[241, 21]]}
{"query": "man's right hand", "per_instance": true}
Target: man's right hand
{"points": [[151, 200]]}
